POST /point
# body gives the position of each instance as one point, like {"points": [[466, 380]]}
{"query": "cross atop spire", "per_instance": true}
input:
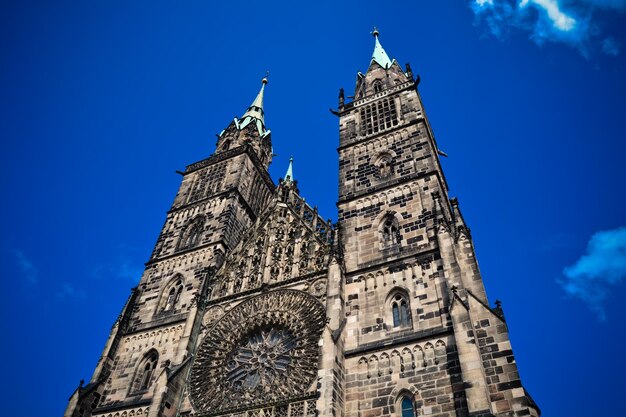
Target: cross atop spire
{"points": [[379, 55]]}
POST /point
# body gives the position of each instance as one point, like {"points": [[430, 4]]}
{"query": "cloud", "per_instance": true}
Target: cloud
{"points": [[29, 270], [124, 266], [610, 46], [556, 16], [572, 22], [603, 266], [67, 290]]}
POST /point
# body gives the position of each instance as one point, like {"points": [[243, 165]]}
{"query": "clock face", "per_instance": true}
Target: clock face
{"points": [[263, 350]]}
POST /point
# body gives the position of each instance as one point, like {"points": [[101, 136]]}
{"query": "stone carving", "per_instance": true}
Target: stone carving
{"points": [[290, 241], [295, 409], [318, 288], [262, 351]]}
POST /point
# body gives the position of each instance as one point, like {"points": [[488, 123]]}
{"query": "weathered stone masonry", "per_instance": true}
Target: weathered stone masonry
{"points": [[253, 305]]}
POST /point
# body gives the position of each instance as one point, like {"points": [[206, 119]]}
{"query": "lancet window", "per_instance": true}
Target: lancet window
{"points": [[192, 234], [390, 231], [171, 296], [377, 86], [145, 372], [406, 407], [401, 313]]}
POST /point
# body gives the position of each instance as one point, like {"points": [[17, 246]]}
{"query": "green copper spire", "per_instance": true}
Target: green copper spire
{"points": [[379, 55], [289, 174], [255, 112]]}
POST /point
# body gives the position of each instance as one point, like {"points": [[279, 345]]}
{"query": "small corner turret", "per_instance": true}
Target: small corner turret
{"points": [[288, 184], [249, 130]]}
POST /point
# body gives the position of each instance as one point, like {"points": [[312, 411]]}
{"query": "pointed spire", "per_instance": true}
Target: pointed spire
{"points": [[289, 174], [255, 111], [379, 55]]}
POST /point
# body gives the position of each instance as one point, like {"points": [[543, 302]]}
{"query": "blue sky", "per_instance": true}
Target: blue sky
{"points": [[102, 101]]}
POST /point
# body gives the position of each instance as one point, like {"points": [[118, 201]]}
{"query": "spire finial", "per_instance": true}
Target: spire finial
{"points": [[379, 54], [289, 174], [255, 113], [264, 80]]}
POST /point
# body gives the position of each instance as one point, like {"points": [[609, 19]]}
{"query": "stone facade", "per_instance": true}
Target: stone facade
{"points": [[252, 305]]}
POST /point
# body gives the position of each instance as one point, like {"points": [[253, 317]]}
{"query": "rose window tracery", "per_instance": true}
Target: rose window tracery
{"points": [[263, 350], [261, 359]]}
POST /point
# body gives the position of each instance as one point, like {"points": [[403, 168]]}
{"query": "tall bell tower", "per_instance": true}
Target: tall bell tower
{"points": [[421, 337]]}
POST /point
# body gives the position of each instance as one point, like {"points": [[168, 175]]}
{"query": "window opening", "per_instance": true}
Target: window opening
{"points": [[390, 231], [146, 372], [400, 311], [378, 116], [173, 296], [407, 407]]}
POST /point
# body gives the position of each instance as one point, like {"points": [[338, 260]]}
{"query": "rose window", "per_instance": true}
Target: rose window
{"points": [[262, 351], [262, 358]]}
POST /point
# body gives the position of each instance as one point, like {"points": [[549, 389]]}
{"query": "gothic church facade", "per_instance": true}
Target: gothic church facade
{"points": [[253, 305]]}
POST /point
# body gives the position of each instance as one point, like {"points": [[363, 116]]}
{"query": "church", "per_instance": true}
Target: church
{"points": [[253, 305]]}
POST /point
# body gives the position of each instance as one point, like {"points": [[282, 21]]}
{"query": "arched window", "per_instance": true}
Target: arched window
{"points": [[389, 231], [400, 310], [145, 372], [192, 234], [406, 407], [171, 296], [377, 85]]}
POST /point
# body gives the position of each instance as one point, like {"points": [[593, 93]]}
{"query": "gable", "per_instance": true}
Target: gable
{"points": [[289, 241]]}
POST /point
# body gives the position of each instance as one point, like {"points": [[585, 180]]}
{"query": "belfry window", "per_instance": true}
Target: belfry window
{"points": [[406, 406], [400, 311], [378, 116]]}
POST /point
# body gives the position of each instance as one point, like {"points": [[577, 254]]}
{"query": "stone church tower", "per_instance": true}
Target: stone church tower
{"points": [[252, 305]]}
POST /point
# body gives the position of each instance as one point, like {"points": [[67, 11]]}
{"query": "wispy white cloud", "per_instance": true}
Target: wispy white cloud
{"points": [[557, 17], [567, 21], [602, 267], [29, 270]]}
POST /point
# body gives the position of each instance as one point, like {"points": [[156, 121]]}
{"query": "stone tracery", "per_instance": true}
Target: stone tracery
{"points": [[264, 350], [290, 241]]}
